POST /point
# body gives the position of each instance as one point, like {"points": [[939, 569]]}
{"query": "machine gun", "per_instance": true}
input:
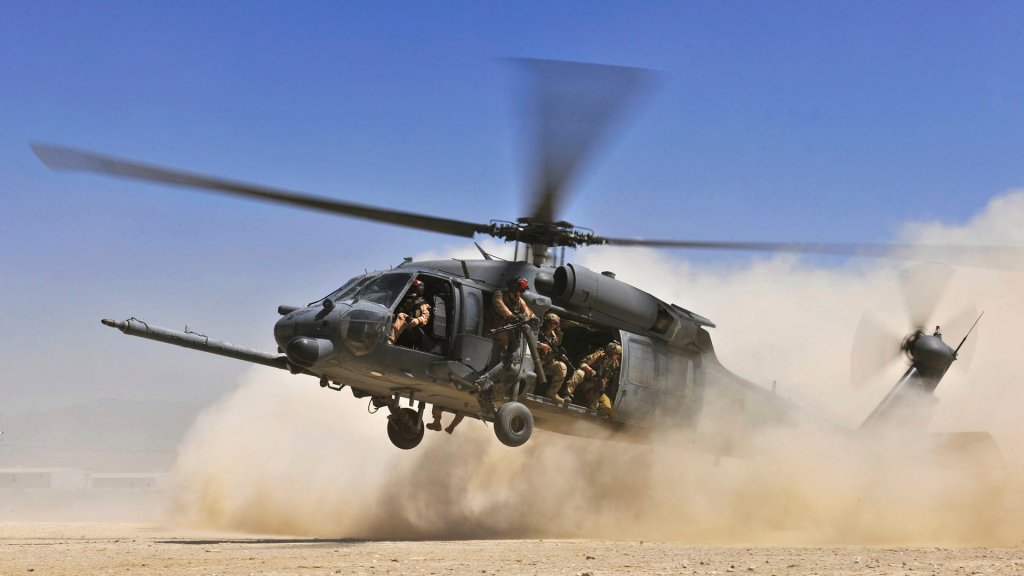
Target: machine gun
{"points": [[518, 321], [526, 326]]}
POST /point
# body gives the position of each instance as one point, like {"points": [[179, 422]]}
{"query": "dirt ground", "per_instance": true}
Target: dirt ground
{"points": [[106, 548]]}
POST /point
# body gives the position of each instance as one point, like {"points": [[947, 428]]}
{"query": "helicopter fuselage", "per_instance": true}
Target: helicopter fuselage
{"points": [[342, 339]]}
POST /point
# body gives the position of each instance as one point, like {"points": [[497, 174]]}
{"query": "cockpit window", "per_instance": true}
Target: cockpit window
{"points": [[385, 289], [350, 288], [347, 290]]}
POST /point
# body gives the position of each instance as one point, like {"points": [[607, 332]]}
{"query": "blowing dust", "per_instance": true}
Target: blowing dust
{"points": [[281, 455]]}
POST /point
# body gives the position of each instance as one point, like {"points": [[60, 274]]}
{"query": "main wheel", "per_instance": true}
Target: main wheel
{"points": [[405, 429], [514, 424]]}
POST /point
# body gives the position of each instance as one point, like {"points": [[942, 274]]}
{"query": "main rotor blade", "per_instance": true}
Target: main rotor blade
{"points": [[996, 257], [59, 158], [574, 106], [923, 286]]}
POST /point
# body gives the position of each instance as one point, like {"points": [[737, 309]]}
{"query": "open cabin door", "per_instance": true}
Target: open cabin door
{"points": [[682, 395], [471, 347], [659, 385], [640, 380]]}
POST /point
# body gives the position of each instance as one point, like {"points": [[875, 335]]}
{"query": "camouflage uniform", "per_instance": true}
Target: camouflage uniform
{"points": [[554, 368], [413, 310], [601, 378]]}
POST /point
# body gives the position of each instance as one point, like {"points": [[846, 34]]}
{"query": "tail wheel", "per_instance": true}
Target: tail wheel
{"points": [[405, 429], [513, 424]]}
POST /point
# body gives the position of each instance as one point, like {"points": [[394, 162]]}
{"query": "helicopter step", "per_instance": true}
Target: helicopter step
{"points": [[195, 341]]}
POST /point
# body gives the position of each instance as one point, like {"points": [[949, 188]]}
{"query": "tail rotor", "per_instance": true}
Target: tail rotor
{"points": [[877, 347]]}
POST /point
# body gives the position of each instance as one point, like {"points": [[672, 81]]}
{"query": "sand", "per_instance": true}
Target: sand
{"points": [[118, 548]]}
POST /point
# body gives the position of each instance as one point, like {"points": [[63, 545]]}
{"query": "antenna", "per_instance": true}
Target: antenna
{"points": [[968, 333]]}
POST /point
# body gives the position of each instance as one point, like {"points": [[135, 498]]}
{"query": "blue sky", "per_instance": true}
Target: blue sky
{"points": [[804, 121]]}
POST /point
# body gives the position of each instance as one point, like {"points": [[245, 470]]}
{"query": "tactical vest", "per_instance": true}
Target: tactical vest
{"points": [[412, 306]]}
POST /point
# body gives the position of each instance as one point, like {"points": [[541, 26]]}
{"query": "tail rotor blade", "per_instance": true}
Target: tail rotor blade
{"points": [[923, 286], [875, 347]]}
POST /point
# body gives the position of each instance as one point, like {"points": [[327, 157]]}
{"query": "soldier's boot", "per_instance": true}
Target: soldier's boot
{"points": [[436, 412], [604, 407], [556, 375], [455, 422], [553, 393]]}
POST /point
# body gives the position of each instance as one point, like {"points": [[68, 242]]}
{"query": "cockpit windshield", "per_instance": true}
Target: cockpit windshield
{"points": [[385, 289], [348, 290]]}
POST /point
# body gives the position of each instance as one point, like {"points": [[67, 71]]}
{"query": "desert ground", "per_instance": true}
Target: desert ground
{"points": [[123, 548]]}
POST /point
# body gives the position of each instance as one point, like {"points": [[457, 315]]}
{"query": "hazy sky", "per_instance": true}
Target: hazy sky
{"points": [[771, 121]]}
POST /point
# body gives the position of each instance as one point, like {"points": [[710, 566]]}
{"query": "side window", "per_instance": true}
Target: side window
{"points": [[471, 310], [439, 318], [642, 367]]}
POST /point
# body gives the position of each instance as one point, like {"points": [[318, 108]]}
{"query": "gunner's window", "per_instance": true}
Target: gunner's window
{"points": [[641, 364]]}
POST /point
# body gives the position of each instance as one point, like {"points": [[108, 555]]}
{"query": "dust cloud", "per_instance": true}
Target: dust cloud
{"points": [[281, 455]]}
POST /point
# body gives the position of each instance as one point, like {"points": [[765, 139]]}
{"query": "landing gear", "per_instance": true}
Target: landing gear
{"points": [[405, 428], [513, 425]]}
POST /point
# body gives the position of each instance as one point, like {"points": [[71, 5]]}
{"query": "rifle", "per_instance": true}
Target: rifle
{"points": [[558, 351]]}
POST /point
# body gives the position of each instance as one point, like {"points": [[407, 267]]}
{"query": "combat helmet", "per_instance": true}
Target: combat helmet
{"points": [[519, 284]]}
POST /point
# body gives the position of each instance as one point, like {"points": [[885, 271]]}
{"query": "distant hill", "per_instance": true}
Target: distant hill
{"points": [[106, 435]]}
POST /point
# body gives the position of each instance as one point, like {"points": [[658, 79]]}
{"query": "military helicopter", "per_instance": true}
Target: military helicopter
{"points": [[669, 374]]}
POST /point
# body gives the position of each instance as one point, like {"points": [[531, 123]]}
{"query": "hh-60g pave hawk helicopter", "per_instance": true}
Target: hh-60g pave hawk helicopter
{"points": [[669, 372]]}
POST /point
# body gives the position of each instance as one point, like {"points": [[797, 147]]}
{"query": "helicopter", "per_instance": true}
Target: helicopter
{"points": [[669, 373]]}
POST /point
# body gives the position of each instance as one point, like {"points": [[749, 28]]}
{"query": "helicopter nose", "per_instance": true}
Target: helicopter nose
{"points": [[307, 351], [312, 335]]}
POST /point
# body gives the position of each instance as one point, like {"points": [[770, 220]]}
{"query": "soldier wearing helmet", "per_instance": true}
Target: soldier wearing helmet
{"points": [[554, 369], [510, 306], [598, 378], [412, 311]]}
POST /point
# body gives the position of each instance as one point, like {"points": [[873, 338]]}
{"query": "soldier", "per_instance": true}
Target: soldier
{"points": [[554, 369], [510, 308], [436, 412], [413, 310], [598, 375]]}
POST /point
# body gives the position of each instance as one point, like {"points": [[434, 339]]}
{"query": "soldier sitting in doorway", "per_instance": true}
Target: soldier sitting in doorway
{"points": [[412, 311], [550, 340], [597, 378]]}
